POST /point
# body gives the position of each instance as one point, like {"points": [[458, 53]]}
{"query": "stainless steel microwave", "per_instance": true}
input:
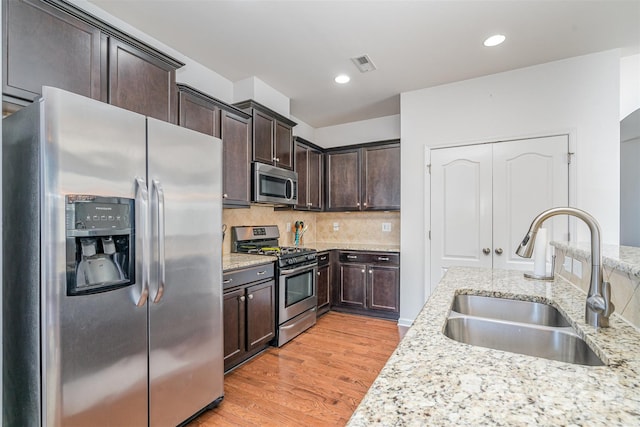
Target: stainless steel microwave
{"points": [[274, 185]]}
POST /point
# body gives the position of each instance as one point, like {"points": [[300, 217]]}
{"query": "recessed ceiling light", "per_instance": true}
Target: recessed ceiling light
{"points": [[342, 79], [494, 40]]}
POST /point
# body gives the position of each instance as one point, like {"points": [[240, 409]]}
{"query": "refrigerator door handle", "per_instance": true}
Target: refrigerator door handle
{"points": [[142, 203], [157, 188]]}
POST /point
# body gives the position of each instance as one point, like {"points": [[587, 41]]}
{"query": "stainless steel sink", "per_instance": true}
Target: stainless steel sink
{"points": [[518, 327], [509, 309]]}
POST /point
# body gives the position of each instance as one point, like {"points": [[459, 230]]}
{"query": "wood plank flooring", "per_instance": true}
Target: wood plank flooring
{"points": [[318, 379]]}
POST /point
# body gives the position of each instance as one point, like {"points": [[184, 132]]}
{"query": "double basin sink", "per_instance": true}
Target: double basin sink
{"points": [[524, 327]]}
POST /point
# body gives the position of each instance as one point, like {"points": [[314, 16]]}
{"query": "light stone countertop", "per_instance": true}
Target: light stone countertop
{"points": [[433, 380], [623, 258], [373, 247], [234, 261]]}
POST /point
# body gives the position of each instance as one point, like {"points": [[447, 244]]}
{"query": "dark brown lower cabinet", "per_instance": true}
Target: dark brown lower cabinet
{"points": [[249, 314], [368, 283]]}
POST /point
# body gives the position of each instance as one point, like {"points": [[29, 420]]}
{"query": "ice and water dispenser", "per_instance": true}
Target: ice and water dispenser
{"points": [[100, 236]]}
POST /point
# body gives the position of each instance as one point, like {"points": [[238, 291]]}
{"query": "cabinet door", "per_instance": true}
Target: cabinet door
{"points": [[352, 285], [283, 146], [45, 46], [383, 292], [196, 114], [263, 138], [261, 321], [315, 180], [381, 178], [302, 167], [141, 83], [236, 163], [323, 283], [343, 180], [234, 326]]}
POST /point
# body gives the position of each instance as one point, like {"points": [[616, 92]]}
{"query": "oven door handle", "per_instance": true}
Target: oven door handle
{"points": [[298, 270]]}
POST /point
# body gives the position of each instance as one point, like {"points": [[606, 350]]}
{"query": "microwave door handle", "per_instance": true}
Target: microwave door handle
{"points": [[157, 187], [141, 207], [289, 197]]}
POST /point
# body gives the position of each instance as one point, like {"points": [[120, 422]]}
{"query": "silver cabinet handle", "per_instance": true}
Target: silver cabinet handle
{"points": [[486, 251], [260, 273], [357, 203], [318, 273], [276, 159], [250, 296], [499, 251], [159, 191], [309, 204], [365, 204], [242, 298], [225, 195], [363, 271], [383, 258], [352, 256], [227, 281], [142, 201], [370, 271]]}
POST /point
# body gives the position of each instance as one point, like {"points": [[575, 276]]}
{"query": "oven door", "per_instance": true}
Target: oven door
{"points": [[297, 291]]}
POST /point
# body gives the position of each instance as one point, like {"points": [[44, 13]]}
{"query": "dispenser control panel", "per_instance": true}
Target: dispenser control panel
{"points": [[100, 236]]}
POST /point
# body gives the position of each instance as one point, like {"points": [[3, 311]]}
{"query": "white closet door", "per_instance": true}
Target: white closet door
{"points": [[529, 176], [460, 208]]}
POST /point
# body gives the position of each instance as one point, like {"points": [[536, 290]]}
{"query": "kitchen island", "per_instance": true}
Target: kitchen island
{"points": [[433, 380]]}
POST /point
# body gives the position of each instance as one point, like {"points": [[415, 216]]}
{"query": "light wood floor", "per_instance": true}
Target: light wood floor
{"points": [[318, 379]]}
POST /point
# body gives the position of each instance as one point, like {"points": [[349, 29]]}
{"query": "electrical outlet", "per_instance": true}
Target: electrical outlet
{"points": [[336, 226], [386, 226], [288, 228]]}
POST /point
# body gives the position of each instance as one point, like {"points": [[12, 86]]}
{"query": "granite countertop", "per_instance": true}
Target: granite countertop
{"points": [[623, 258], [374, 247], [234, 261], [433, 380]]}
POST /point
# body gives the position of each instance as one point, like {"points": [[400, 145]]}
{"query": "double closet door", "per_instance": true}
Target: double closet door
{"points": [[484, 197]]}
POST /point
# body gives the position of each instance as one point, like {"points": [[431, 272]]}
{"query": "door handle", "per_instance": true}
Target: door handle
{"points": [[157, 188], [141, 206], [499, 251], [486, 251]]}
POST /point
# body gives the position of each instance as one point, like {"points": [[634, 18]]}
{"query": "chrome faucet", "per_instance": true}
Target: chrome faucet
{"points": [[599, 306]]}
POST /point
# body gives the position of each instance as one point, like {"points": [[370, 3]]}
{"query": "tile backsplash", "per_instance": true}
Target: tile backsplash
{"points": [[352, 227]]}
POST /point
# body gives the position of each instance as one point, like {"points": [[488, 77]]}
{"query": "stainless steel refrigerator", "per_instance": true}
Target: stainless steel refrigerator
{"points": [[112, 267]]}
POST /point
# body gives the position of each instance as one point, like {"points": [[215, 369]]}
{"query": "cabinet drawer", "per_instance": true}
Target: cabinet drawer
{"points": [[324, 258], [248, 275], [370, 257]]}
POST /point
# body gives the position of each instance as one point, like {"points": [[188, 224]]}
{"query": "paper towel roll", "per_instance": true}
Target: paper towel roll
{"points": [[540, 253]]}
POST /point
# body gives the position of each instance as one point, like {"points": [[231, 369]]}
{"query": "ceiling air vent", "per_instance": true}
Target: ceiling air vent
{"points": [[364, 63]]}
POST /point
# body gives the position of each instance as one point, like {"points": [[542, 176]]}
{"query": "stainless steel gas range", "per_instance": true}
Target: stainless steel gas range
{"points": [[296, 277]]}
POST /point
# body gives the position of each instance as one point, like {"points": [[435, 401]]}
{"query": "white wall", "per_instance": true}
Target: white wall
{"points": [[259, 91], [378, 129], [578, 95], [629, 85]]}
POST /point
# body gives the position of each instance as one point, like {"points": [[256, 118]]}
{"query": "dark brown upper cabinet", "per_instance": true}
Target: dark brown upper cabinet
{"points": [[44, 46], [364, 177], [272, 135], [309, 165], [203, 113], [53, 43], [140, 82]]}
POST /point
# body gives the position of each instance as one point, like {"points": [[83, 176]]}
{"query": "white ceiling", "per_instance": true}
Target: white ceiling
{"points": [[298, 47]]}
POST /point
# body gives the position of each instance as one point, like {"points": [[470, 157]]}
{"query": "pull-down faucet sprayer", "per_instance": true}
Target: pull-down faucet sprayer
{"points": [[599, 306]]}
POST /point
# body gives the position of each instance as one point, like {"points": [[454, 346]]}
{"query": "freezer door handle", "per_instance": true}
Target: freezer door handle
{"points": [[142, 204], [157, 188]]}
